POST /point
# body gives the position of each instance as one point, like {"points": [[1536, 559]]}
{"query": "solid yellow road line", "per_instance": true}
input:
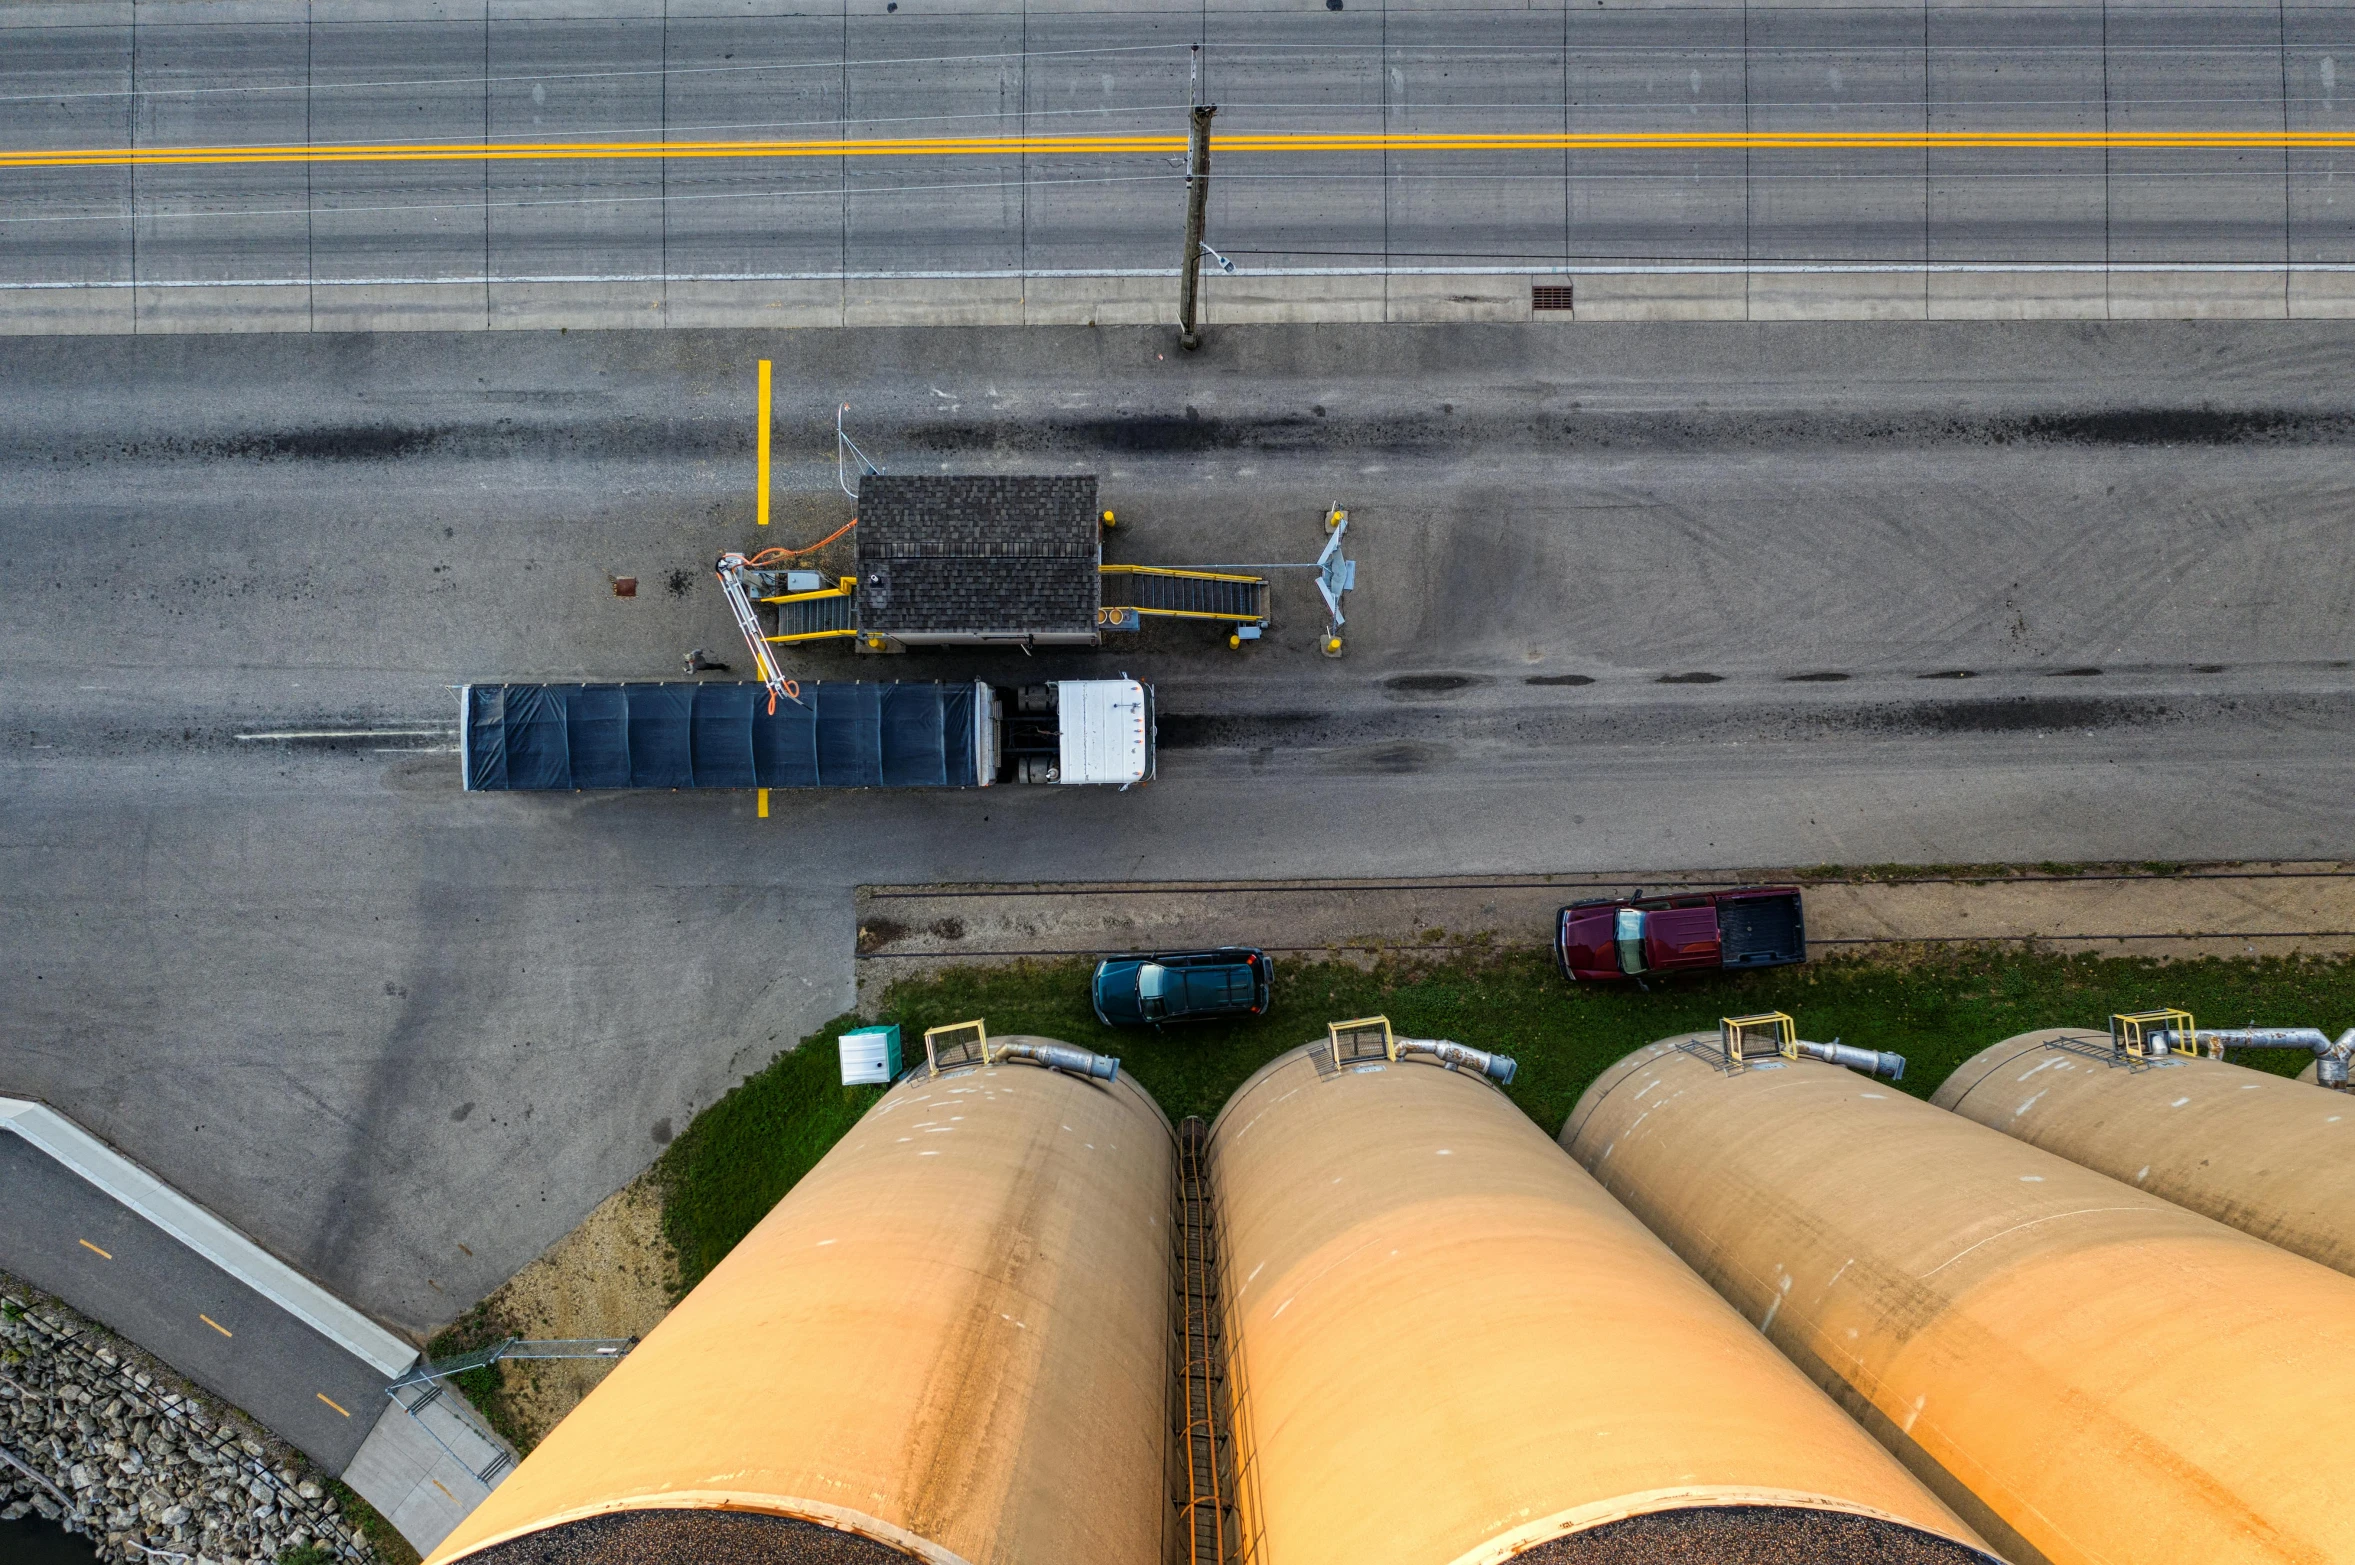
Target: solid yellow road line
{"points": [[216, 1325], [94, 1250], [762, 438], [331, 1402], [1242, 142], [764, 804]]}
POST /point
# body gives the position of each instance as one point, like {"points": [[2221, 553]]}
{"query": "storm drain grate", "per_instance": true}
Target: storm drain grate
{"points": [[1549, 296]]}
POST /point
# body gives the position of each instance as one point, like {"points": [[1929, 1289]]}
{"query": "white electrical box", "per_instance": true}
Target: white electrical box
{"points": [[870, 1056], [804, 581]]}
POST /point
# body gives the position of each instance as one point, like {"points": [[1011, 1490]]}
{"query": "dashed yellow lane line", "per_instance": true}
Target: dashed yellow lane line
{"points": [[216, 1325], [331, 1402], [104, 1255], [1246, 142]]}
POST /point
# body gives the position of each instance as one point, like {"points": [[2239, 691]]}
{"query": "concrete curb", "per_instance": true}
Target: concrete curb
{"points": [[141, 1192], [1618, 291]]}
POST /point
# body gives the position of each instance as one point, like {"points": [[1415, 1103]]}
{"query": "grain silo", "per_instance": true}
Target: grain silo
{"points": [[950, 1342], [2083, 1371], [2270, 1156], [1450, 1346]]}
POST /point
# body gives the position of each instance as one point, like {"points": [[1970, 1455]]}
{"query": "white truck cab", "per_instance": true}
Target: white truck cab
{"points": [[1105, 730]]}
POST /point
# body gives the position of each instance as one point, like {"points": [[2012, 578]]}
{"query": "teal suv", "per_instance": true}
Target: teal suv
{"points": [[1143, 990]]}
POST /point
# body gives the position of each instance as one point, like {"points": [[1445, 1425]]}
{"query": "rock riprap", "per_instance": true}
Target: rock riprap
{"points": [[98, 1436]]}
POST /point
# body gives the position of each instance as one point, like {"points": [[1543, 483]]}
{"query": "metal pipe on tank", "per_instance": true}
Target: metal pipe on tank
{"points": [[1455, 1056], [2272, 1157], [1057, 1057], [2086, 1373], [1873, 1062], [2331, 1055], [2312, 1039], [1452, 1348], [947, 1343]]}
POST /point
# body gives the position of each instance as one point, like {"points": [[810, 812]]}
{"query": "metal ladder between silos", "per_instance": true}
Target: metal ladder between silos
{"points": [[1204, 1414]]}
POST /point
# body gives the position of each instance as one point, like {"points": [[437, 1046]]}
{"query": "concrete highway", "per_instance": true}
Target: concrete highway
{"points": [[1630, 598], [674, 240]]}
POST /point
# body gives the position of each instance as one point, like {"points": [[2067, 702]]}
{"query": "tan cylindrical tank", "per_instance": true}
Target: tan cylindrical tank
{"points": [[2270, 1156], [2085, 1372], [1451, 1347], [949, 1342]]}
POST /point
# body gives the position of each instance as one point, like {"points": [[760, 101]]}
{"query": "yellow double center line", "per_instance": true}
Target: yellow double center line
{"points": [[1244, 143]]}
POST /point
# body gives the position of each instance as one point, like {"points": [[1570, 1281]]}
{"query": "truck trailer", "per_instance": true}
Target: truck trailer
{"points": [[831, 734]]}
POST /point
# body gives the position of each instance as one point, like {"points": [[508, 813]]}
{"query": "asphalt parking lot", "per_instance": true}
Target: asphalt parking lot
{"points": [[2082, 590]]}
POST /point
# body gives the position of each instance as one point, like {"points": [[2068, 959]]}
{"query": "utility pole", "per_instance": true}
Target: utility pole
{"points": [[1197, 200]]}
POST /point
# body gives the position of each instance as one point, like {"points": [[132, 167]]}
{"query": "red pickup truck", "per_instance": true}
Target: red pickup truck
{"points": [[1636, 936]]}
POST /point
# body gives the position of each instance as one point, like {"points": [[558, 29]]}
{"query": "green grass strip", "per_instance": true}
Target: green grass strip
{"points": [[1936, 1007]]}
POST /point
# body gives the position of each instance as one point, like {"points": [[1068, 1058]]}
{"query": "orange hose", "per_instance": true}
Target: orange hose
{"points": [[772, 556]]}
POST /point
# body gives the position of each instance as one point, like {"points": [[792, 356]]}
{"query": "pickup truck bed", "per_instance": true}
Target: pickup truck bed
{"points": [[1761, 932]]}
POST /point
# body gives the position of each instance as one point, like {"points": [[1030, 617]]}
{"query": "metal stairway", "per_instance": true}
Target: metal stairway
{"points": [[1204, 1415], [456, 1428], [814, 616], [1176, 594]]}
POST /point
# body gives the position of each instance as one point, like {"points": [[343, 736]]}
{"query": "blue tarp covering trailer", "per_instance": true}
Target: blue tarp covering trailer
{"points": [[677, 734]]}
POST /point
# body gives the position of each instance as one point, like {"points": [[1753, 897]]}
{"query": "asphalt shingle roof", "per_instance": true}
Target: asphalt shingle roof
{"points": [[950, 554]]}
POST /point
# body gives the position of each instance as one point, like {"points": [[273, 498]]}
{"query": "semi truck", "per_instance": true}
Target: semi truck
{"points": [[1609, 939], [822, 734]]}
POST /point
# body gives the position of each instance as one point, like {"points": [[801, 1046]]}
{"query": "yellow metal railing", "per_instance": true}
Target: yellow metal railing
{"points": [[1349, 1040], [1232, 619], [1174, 574], [2136, 1035], [1165, 570], [957, 1044], [1747, 1038], [843, 589]]}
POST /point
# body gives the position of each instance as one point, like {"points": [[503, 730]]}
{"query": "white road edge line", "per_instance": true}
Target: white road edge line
{"points": [[356, 733], [1534, 269]]}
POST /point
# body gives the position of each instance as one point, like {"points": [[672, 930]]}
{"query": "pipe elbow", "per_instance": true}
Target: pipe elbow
{"points": [[1455, 1056]]}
